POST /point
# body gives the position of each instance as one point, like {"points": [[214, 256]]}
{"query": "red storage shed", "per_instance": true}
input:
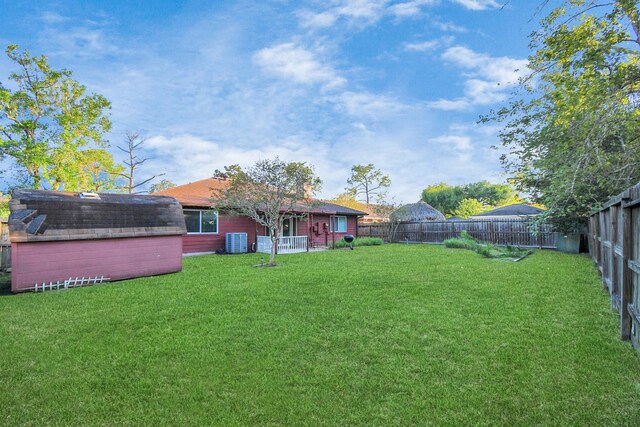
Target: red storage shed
{"points": [[56, 236]]}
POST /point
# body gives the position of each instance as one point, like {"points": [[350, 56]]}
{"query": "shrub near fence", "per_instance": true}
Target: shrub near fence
{"points": [[615, 248], [515, 232]]}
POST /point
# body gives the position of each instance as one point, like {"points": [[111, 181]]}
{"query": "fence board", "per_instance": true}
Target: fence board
{"points": [[615, 249], [515, 232], [5, 245]]}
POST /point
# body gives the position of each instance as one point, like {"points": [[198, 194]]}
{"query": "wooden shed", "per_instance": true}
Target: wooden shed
{"points": [[56, 236]]}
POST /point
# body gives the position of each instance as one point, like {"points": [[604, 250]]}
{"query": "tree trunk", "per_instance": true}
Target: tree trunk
{"points": [[274, 246]]}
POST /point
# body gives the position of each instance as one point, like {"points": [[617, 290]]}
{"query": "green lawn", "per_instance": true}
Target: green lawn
{"points": [[388, 335]]}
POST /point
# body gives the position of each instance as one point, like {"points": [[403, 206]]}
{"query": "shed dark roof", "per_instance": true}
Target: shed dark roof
{"points": [[39, 215], [519, 209]]}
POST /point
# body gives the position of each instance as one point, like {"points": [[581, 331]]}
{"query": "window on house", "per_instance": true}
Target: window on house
{"points": [[201, 221], [339, 224]]}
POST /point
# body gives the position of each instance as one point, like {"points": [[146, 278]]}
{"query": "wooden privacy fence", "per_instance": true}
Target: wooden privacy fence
{"points": [[615, 248], [5, 245], [515, 232]]}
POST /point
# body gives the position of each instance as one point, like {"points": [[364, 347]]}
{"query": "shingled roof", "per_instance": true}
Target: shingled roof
{"points": [[518, 209], [40, 215], [333, 208], [196, 194], [200, 194]]}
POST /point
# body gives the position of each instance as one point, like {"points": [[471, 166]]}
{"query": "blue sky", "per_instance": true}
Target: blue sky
{"points": [[400, 84]]}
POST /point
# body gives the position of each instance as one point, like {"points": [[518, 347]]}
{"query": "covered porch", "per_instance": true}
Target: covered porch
{"points": [[285, 244]]}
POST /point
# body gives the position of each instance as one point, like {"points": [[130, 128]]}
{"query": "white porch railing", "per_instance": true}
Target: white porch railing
{"points": [[264, 244], [286, 245]]}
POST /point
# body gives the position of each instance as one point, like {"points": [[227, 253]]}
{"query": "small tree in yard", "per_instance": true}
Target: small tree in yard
{"points": [[386, 209], [269, 192]]}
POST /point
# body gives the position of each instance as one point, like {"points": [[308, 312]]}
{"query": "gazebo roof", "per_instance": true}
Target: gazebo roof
{"points": [[420, 211]]}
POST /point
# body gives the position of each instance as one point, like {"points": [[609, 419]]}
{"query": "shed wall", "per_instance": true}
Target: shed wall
{"points": [[37, 262]]}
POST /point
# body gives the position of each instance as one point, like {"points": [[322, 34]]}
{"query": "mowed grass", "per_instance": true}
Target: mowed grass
{"points": [[389, 335]]}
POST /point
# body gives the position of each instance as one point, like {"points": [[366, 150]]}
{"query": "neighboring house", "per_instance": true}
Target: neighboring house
{"points": [[56, 236], [516, 211], [207, 227]]}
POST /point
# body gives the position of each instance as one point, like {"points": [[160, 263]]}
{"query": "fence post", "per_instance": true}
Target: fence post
{"points": [[626, 287], [614, 264]]}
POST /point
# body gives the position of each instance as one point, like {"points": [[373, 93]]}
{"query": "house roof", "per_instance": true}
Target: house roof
{"points": [[518, 209], [333, 208], [363, 208], [199, 194], [41, 215]]}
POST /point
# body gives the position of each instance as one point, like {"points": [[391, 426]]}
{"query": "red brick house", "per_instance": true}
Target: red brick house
{"points": [[207, 227]]}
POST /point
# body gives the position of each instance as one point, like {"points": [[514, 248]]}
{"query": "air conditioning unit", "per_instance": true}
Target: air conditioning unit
{"points": [[236, 243]]}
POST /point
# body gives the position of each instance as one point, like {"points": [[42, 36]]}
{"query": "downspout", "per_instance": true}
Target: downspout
{"points": [[310, 231]]}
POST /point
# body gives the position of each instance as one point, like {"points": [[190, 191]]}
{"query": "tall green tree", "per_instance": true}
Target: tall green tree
{"points": [[469, 207], [52, 129], [572, 131], [367, 182], [443, 197], [270, 192], [447, 198]]}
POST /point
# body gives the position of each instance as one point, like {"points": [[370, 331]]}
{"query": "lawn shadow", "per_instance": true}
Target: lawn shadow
{"points": [[5, 284]]}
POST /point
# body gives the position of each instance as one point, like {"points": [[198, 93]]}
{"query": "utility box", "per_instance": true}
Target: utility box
{"points": [[236, 243], [569, 243]]}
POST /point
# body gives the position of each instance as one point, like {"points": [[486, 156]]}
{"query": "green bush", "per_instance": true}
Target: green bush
{"points": [[465, 241], [461, 244], [360, 241]]}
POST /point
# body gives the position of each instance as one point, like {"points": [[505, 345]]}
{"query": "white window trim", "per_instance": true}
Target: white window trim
{"points": [[200, 222], [346, 224]]}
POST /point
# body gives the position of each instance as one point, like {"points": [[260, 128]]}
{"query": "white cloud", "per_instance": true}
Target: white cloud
{"points": [[478, 4], [49, 17], [362, 104], [488, 78], [459, 104], [298, 64], [88, 38], [361, 12], [429, 45], [317, 20], [449, 27], [458, 142], [409, 8]]}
